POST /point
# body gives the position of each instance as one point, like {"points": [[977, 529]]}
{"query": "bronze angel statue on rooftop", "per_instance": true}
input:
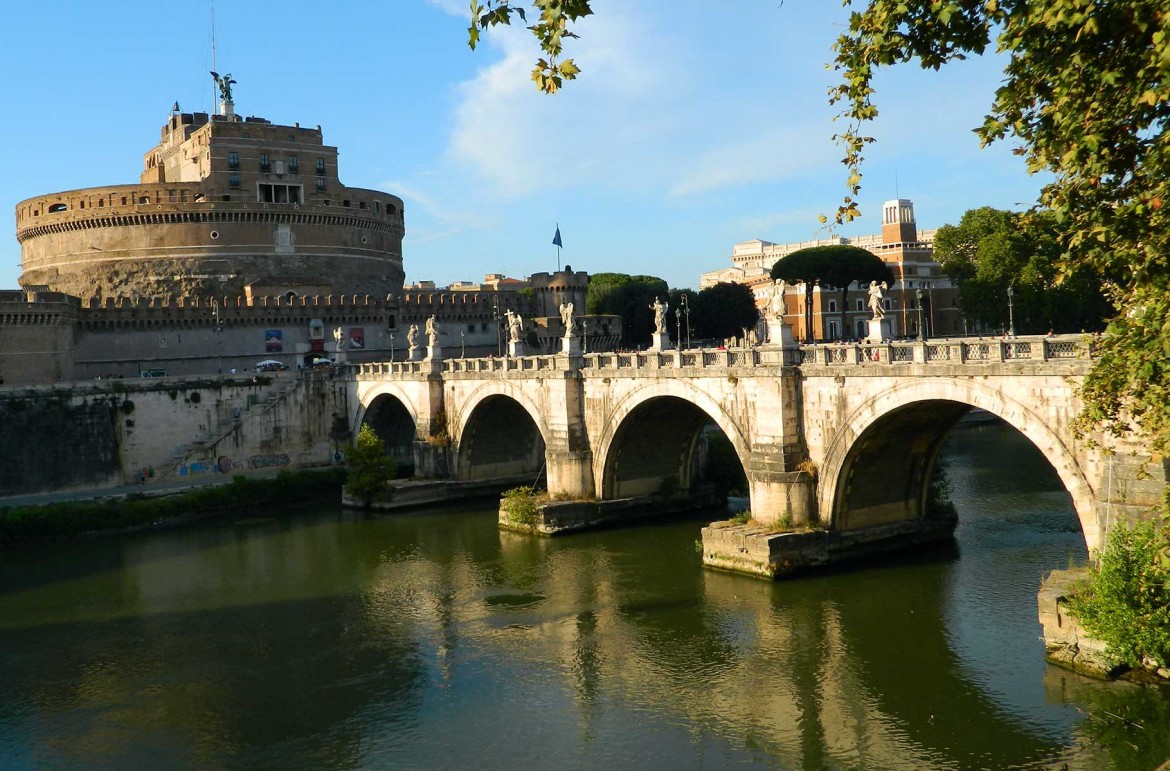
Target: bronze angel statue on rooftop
{"points": [[225, 85]]}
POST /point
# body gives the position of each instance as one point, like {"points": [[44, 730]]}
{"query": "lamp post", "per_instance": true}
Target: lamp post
{"points": [[391, 346], [218, 330], [686, 304], [585, 335], [496, 320], [921, 328], [678, 327], [1011, 313]]}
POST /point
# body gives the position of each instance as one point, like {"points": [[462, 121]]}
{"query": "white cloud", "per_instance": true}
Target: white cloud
{"points": [[518, 141], [765, 157]]}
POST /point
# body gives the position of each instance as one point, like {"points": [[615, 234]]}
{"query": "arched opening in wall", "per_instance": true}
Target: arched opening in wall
{"points": [[391, 421], [57, 207], [668, 445], [942, 459], [500, 440]]}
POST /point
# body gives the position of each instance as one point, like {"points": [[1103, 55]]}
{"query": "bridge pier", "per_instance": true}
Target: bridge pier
{"points": [[569, 473], [782, 498]]}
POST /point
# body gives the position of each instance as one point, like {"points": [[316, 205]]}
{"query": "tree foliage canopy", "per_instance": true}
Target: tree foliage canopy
{"points": [[990, 250], [551, 27], [629, 297], [836, 266], [725, 310]]}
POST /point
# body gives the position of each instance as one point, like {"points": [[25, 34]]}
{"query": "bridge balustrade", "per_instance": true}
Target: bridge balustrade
{"points": [[950, 351]]}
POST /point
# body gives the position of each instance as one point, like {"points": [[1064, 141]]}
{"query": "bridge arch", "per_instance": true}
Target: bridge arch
{"points": [[391, 412], [499, 432], [907, 424], [678, 411]]}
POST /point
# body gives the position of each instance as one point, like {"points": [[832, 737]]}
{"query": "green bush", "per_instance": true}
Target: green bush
{"points": [[369, 466], [72, 518], [1126, 604], [522, 505]]}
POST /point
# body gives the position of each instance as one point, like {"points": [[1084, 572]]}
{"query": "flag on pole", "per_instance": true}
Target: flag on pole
{"points": [[557, 237]]}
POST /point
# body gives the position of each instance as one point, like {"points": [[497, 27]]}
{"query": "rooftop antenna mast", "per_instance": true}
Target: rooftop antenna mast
{"points": [[213, 67]]}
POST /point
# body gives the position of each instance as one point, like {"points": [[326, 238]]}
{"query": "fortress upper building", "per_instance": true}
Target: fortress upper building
{"points": [[224, 206]]}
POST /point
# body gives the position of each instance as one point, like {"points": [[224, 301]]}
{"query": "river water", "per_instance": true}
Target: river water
{"points": [[331, 640]]}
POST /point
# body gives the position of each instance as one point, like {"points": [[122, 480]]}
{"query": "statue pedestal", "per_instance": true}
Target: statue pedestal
{"points": [[660, 341], [339, 357], [434, 353], [414, 353], [879, 330], [570, 345], [516, 348], [780, 333]]}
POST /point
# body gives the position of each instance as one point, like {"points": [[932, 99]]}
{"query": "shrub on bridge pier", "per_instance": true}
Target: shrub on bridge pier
{"points": [[1127, 602]]}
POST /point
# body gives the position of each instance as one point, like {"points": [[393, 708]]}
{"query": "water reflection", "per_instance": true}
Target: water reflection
{"points": [[434, 640]]}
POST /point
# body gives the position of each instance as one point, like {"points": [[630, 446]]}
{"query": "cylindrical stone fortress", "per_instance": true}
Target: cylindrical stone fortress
{"points": [[225, 206]]}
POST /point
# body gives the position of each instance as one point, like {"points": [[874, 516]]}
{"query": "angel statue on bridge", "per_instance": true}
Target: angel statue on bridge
{"points": [[567, 318], [432, 332], [412, 336], [875, 299], [659, 309], [515, 326]]}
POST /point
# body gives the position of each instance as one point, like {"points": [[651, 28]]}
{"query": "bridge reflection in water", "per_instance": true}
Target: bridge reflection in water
{"points": [[434, 640]]}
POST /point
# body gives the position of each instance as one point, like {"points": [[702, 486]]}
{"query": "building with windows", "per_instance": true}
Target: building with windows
{"points": [[919, 283], [222, 202]]}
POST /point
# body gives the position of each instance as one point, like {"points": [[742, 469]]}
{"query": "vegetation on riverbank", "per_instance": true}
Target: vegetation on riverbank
{"points": [[69, 519], [1126, 604]]}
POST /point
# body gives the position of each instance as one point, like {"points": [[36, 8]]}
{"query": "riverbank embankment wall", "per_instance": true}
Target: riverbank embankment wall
{"points": [[110, 433]]}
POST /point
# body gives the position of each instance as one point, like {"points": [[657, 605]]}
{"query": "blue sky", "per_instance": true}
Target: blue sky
{"points": [[693, 125]]}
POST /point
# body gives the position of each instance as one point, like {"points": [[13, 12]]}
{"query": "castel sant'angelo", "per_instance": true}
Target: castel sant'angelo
{"points": [[223, 204], [239, 243]]}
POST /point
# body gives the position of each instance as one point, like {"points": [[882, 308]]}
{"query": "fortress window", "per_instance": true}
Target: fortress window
{"points": [[233, 160], [321, 186], [56, 207], [377, 206], [227, 198], [345, 203], [269, 193], [361, 204], [320, 165], [294, 165], [143, 199], [123, 200], [265, 164], [234, 180]]}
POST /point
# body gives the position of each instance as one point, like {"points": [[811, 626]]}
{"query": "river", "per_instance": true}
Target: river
{"points": [[332, 640]]}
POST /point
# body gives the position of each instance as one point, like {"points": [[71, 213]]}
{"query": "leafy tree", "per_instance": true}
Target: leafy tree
{"points": [[725, 310], [629, 297], [836, 266], [990, 250], [1127, 603], [552, 27], [369, 466]]}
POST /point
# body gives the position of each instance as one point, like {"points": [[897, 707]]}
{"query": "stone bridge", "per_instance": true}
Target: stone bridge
{"points": [[844, 436]]}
